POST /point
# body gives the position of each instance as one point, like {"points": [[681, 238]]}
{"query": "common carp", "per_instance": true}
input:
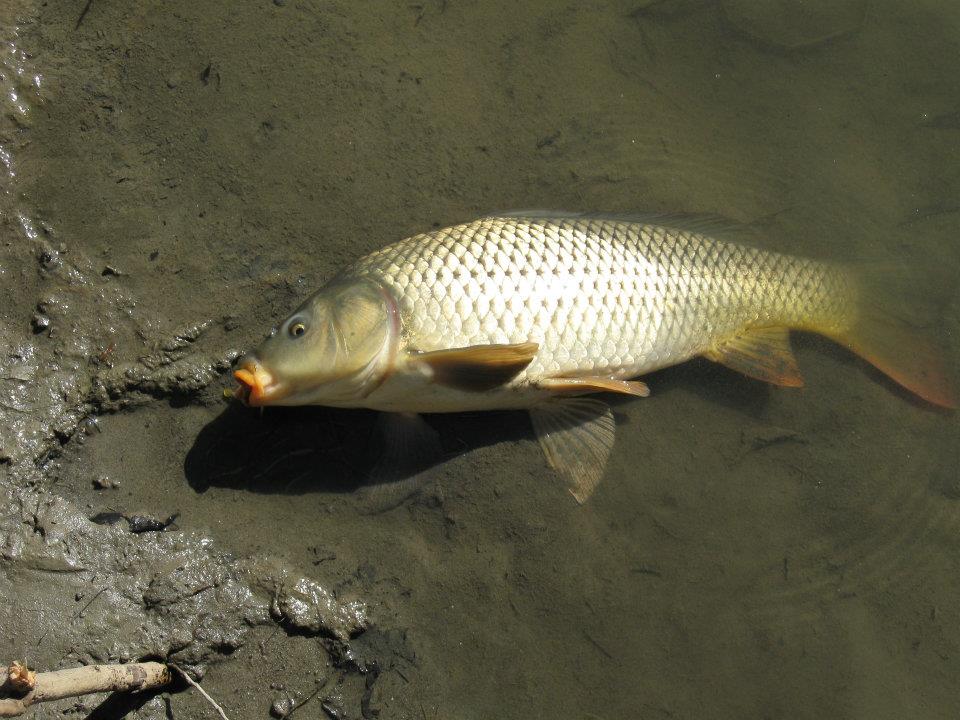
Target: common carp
{"points": [[536, 310]]}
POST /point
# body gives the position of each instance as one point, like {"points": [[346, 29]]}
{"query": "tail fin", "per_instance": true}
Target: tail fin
{"points": [[896, 347]]}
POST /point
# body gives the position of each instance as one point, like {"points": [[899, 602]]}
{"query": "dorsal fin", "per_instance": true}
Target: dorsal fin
{"points": [[715, 226]]}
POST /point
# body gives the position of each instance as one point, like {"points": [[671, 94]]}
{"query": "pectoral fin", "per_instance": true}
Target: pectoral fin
{"points": [[405, 445], [478, 367], [760, 353], [581, 385], [576, 435]]}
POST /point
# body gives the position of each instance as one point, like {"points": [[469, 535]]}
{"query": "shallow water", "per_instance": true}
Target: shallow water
{"points": [[181, 173]]}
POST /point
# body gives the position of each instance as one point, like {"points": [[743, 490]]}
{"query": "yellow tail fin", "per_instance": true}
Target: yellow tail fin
{"points": [[899, 349]]}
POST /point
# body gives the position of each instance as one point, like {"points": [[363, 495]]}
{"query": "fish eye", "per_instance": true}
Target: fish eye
{"points": [[297, 329]]}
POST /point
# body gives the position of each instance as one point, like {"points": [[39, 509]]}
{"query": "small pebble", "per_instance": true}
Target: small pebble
{"points": [[49, 259], [39, 323], [102, 482], [282, 707], [90, 425]]}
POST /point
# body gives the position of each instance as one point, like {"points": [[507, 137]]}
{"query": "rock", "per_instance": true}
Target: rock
{"points": [[39, 323], [102, 482], [283, 706]]}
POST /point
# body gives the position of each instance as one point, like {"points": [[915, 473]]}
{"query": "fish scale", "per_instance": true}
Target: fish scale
{"points": [[605, 297]]}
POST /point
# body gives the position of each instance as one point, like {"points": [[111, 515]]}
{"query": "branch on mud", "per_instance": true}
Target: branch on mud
{"points": [[203, 692], [40, 687]]}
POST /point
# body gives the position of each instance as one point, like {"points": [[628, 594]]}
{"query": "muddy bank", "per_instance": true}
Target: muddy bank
{"points": [[181, 175]]}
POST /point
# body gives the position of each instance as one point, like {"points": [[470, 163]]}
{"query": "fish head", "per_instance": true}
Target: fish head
{"points": [[334, 349]]}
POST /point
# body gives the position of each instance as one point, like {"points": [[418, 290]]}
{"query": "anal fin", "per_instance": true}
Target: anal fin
{"points": [[576, 435], [760, 353], [478, 367], [580, 385]]}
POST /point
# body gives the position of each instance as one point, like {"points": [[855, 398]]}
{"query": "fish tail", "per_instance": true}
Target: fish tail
{"points": [[877, 331]]}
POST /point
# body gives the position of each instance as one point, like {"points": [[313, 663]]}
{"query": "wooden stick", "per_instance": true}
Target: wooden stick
{"points": [[58, 684], [203, 692]]}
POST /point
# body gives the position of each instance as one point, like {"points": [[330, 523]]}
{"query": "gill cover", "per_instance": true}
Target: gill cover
{"points": [[336, 348]]}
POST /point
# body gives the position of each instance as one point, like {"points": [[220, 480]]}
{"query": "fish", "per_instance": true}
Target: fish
{"points": [[543, 311]]}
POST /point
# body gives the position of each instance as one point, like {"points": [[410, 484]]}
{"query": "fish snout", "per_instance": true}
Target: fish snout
{"points": [[255, 381]]}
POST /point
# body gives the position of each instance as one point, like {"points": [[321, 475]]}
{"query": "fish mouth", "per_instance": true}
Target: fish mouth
{"points": [[257, 385]]}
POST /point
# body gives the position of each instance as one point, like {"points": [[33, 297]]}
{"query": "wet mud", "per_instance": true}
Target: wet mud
{"points": [[177, 176]]}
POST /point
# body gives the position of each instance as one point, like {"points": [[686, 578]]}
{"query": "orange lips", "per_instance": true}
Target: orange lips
{"points": [[253, 379]]}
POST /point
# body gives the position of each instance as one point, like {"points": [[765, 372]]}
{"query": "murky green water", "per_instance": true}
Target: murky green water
{"points": [[752, 552]]}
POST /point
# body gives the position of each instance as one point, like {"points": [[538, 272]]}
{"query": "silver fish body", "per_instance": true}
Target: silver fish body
{"points": [[600, 297], [535, 311]]}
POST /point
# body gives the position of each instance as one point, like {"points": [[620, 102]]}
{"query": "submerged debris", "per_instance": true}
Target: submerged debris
{"points": [[145, 523], [138, 523]]}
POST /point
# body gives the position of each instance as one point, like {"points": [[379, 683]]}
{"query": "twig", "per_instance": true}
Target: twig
{"points": [[84, 609], [83, 14], [60, 684], [202, 691]]}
